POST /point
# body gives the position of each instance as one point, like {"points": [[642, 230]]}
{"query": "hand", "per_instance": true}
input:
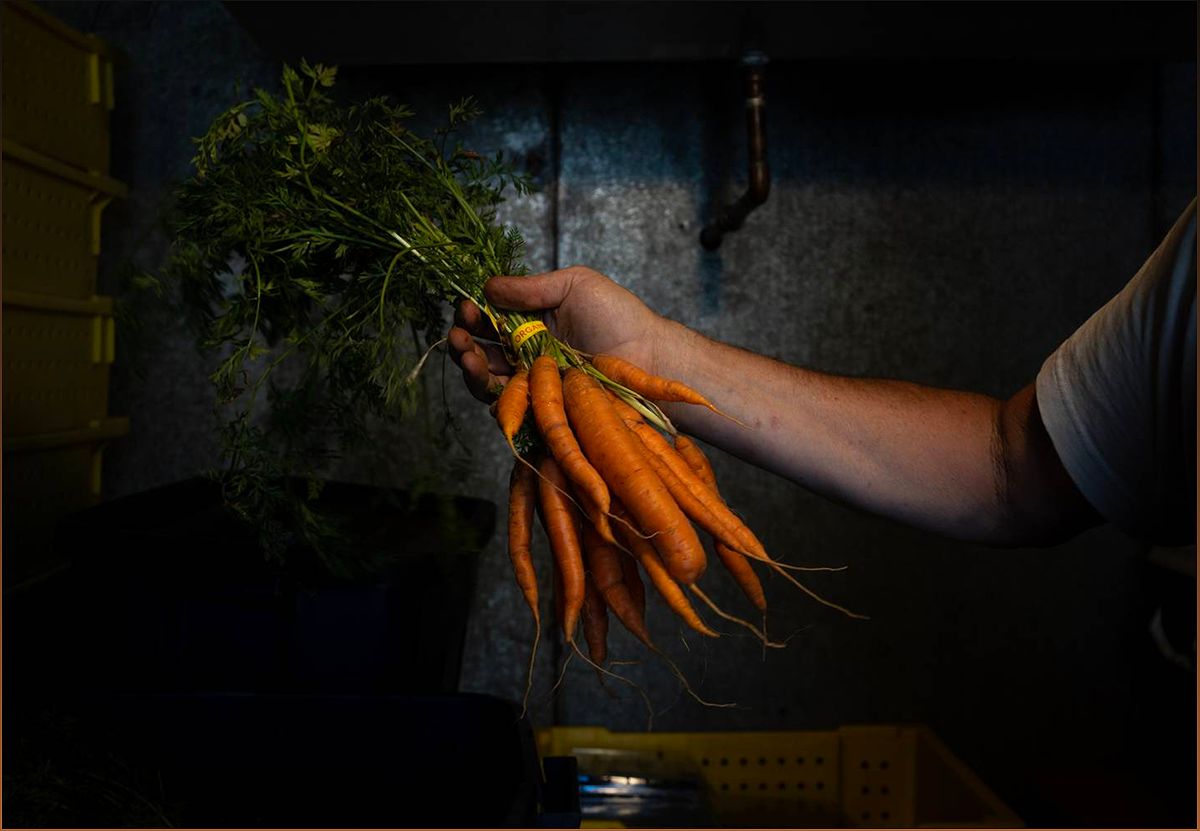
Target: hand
{"points": [[579, 305]]}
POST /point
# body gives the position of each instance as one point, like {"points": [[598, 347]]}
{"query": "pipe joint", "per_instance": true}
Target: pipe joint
{"points": [[731, 218]]}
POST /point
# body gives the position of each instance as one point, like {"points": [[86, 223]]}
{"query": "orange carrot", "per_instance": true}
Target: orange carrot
{"points": [[546, 396], [735, 562], [695, 471], [692, 503], [697, 500], [616, 453], [744, 540], [740, 538], [742, 572], [675, 599], [699, 511], [606, 565], [748, 543], [691, 453], [633, 582], [652, 386], [512, 405], [560, 606], [561, 522], [522, 497], [595, 622]]}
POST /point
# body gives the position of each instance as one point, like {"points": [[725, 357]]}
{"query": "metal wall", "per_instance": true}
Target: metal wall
{"points": [[946, 223]]}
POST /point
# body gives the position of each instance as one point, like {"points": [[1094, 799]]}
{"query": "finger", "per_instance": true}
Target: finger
{"points": [[475, 375], [481, 383], [466, 314], [539, 291], [497, 361], [461, 343]]}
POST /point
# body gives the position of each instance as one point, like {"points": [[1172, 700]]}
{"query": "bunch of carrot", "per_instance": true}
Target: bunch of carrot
{"points": [[615, 494], [349, 226]]}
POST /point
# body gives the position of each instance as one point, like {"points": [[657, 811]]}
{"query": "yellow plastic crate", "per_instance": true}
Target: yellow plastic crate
{"points": [[58, 87], [51, 239], [875, 775], [46, 477], [57, 355]]}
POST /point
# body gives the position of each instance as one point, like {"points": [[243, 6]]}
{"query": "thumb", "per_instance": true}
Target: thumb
{"points": [[526, 294]]}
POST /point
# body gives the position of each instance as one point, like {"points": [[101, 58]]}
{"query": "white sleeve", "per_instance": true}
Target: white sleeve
{"points": [[1118, 397]]}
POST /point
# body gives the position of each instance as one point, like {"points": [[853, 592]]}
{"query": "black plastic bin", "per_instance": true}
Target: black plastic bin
{"points": [[172, 670], [168, 593]]}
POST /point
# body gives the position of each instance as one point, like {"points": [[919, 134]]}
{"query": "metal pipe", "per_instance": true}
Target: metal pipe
{"points": [[731, 217]]}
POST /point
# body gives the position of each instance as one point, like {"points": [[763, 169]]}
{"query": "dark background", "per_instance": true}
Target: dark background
{"points": [[955, 188]]}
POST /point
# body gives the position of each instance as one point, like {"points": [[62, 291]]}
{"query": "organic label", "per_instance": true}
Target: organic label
{"points": [[526, 331]]}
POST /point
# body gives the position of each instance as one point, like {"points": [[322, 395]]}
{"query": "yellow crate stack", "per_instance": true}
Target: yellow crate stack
{"points": [[58, 88], [59, 335], [880, 776]]}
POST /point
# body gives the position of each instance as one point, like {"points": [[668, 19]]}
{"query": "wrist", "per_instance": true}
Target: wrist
{"points": [[671, 348]]}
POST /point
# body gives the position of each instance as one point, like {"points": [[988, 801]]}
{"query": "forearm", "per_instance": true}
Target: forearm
{"points": [[959, 464], [924, 456]]}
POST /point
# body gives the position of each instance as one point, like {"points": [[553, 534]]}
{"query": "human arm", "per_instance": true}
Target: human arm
{"points": [[956, 463], [959, 464]]}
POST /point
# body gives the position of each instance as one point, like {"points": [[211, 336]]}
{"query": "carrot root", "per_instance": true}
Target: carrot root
{"points": [[622, 679], [561, 674], [537, 636], [816, 596], [678, 673], [734, 618]]}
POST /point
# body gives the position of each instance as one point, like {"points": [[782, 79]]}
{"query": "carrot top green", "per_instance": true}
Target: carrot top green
{"points": [[317, 247]]}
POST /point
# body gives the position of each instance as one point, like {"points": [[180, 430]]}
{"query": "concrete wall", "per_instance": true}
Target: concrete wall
{"points": [[943, 223]]}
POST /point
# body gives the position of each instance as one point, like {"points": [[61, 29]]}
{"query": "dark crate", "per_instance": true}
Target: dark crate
{"points": [[168, 592]]}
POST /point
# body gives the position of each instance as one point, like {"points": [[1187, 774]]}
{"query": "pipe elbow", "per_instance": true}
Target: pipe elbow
{"points": [[760, 184], [759, 174]]}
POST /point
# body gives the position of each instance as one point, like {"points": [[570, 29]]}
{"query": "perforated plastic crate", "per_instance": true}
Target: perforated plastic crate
{"points": [[58, 87], [878, 775], [51, 223], [57, 356]]}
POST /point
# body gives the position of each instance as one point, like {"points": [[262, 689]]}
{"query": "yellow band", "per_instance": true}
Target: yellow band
{"points": [[526, 331]]}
